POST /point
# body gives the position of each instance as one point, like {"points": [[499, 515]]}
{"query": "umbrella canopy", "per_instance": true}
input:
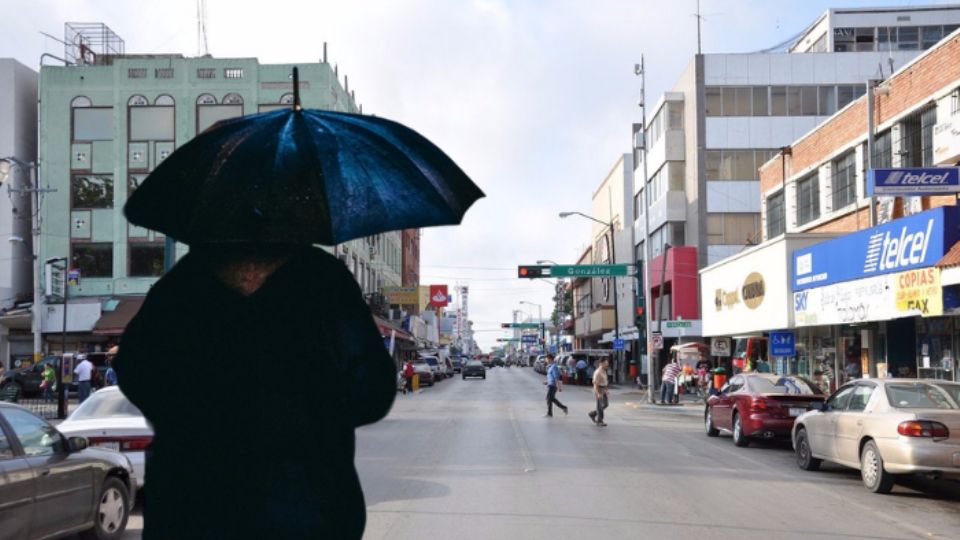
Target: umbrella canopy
{"points": [[301, 176]]}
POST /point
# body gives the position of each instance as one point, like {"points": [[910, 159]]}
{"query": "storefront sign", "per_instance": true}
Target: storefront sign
{"points": [[920, 291], [401, 295], [720, 346], [913, 182], [912, 242], [438, 296]]}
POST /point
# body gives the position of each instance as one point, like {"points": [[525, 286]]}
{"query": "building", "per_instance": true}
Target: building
{"points": [[410, 264], [728, 114], [18, 139], [107, 120]]}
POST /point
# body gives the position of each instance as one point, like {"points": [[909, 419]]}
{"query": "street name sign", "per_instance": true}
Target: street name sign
{"points": [[618, 344], [529, 338], [913, 182], [589, 270], [678, 324], [520, 325], [507, 340]]}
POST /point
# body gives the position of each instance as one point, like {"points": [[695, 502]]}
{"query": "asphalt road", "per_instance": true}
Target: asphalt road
{"points": [[475, 459]]}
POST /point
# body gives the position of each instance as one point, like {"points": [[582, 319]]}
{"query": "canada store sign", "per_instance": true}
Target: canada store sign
{"points": [[908, 243]]}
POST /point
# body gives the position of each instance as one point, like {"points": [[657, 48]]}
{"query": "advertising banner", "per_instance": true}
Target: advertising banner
{"points": [[916, 241], [438, 296], [919, 290], [402, 295], [913, 181]]}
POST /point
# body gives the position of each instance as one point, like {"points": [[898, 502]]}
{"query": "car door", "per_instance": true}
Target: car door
{"points": [[17, 488], [64, 483], [849, 425], [821, 428], [722, 408]]}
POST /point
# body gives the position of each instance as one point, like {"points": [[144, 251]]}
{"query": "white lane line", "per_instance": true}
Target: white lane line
{"points": [[522, 444]]}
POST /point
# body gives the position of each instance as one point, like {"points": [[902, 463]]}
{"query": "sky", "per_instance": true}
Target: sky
{"points": [[534, 99]]}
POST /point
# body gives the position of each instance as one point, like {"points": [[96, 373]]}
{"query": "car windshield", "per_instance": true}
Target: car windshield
{"points": [[784, 385], [105, 405], [918, 396], [474, 363]]}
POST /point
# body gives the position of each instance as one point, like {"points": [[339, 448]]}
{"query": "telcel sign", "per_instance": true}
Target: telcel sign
{"points": [[913, 182], [911, 242]]}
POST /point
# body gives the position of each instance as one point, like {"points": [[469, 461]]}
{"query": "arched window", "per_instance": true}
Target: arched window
{"points": [[206, 99], [137, 100], [81, 101], [286, 99], [232, 99], [164, 100]]}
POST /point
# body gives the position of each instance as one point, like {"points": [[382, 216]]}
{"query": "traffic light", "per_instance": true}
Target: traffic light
{"points": [[505, 325], [640, 321], [532, 271]]}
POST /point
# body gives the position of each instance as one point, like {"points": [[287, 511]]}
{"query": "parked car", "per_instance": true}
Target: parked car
{"points": [[426, 373], [486, 360], [760, 405], [108, 420], [54, 486], [474, 369], [439, 373], [28, 378], [884, 428], [458, 362], [498, 362]]}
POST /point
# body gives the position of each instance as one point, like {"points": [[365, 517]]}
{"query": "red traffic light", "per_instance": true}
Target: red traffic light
{"points": [[531, 271]]}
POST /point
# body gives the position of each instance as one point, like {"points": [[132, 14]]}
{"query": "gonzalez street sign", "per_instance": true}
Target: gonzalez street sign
{"points": [[520, 325], [589, 270], [913, 182]]}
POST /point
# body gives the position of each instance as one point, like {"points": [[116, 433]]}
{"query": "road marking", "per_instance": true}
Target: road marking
{"points": [[522, 443]]}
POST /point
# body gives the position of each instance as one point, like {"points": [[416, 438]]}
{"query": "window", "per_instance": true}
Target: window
{"points": [[151, 123], [808, 199], [908, 38], [674, 115], [93, 124], [808, 100], [843, 39], [789, 385], [37, 437], [955, 101], [775, 217], [760, 101], [163, 73], [882, 151], [137, 100], [847, 93], [137, 73], [232, 99], [92, 191], [732, 229], [233, 73], [778, 100], [713, 98], [146, 260], [860, 397], [6, 448], [930, 35], [208, 115], [638, 204], [164, 100], [794, 99], [844, 180], [916, 138], [133, 182], [206, 99], [206, 73], [887, 39], [735, 164], [827, 103], [865, 39], [93, 260], [928, 119]]}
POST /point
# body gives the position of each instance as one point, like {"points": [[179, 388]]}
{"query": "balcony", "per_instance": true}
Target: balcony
{"points": [[671, 207]]}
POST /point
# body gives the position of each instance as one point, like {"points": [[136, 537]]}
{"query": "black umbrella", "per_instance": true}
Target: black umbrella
{"points": [[301, 176]]}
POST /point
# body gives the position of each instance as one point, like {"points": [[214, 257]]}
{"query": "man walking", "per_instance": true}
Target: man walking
{"points": [[554, 385], [600, 391], [582, 372], [84, 372], [670, 373]]}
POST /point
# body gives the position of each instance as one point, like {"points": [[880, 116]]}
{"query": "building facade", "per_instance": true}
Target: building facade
{"points": [[18, 139]]}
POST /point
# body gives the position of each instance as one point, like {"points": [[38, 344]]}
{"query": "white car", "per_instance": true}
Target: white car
{"points": [[108, 420]]}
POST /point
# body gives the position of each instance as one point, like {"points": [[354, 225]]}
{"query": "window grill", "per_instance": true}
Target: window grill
{"points": [[233, 73], [808, 199], [206, 73], [844, 181], [775, 216], [163, 73], [137, 73]]}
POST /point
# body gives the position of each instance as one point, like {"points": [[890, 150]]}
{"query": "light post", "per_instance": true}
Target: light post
{"points": [[7, 166], [616, 293], [640, 70], [61, 392], [543, 342]]}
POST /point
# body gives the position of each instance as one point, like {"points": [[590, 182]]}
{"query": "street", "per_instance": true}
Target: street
{"points": [[475, 459]]}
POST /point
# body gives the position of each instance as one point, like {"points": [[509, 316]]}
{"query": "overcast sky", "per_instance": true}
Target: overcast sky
{"points": [[533, 98]]}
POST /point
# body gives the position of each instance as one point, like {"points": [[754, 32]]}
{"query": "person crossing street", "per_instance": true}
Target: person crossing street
{"points": [[600, 384], [554, 385]]}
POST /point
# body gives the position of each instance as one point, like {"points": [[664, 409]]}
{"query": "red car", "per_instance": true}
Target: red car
{"points": [[759, 405]]}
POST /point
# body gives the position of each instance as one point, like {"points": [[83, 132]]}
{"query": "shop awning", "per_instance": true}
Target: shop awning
{"points": [[949, 266], [386, 328], [20, 319], [114, 322]]}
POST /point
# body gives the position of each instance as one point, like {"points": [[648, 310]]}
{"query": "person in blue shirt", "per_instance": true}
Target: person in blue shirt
{"points": [[110, 376], [554, 385], [582, 372]]}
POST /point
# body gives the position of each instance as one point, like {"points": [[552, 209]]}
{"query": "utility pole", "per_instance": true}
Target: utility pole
{"points": [[641, 71]]}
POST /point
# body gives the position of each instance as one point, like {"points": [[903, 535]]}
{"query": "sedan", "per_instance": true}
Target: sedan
{"points": [[52, 486], [108, 420], [760, 405], [884, 428], [474, 369], [425, 372]]}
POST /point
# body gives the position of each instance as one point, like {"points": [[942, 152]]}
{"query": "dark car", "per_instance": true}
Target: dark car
{"points": [[53, 486], [29, 378], [457, 363], [761, 405], [474, 369], [498, 362]]}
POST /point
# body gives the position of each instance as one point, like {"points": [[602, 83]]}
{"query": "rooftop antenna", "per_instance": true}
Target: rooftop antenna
{"points": [[202, 48], [699, 17]]}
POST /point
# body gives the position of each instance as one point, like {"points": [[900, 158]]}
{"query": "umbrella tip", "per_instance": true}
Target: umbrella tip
{"points": [[296, 89]]}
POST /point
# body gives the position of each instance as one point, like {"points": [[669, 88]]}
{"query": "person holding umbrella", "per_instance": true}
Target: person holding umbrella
{"points": [[252, 197]]}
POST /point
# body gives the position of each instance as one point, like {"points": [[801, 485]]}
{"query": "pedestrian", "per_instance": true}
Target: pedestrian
{"points": [[600, 392], [670, 373], [582, 372], [763, 366], [84, 373], [554, 385], [408, 373], [110, 377], [49, 381]]}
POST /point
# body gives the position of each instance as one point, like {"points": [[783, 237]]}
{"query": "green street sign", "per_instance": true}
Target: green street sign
{"points": [[519, 325], [507, 339], [589, 270], [678, 324]]}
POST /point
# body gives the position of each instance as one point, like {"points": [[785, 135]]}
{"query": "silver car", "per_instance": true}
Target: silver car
{"points": [[884, 428]]}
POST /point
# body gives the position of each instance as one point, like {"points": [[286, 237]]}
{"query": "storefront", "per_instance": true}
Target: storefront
{"points": [[871, 303]]}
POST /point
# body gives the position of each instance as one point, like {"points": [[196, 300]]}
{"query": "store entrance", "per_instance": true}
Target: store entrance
{"points": [[901, 347]]}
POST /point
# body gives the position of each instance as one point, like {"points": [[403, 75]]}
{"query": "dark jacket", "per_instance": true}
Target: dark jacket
{"points": [[254, 400]]}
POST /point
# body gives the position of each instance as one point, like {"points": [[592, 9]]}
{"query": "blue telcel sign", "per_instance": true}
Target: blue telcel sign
{"points": [[913, 182], [912, 242]]}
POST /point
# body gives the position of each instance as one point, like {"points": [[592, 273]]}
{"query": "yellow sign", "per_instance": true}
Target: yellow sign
{"points": [[402, 295], [920, 291]]}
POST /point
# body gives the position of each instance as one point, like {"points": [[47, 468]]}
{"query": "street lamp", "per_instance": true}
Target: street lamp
{"points": [[61, 392], [616, 292], [7, 166]]}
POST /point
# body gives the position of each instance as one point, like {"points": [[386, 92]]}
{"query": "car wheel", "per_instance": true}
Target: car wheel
{"points": [[112, 512], [805, 459], [739, 438], [712, 431], [875, 479]]}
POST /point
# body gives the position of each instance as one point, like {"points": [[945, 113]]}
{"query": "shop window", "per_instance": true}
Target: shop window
{"points": [[91, 191], [93, 124], [93, 260], [145, 260], [808, 199], [151, 123], [844, 181]]}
